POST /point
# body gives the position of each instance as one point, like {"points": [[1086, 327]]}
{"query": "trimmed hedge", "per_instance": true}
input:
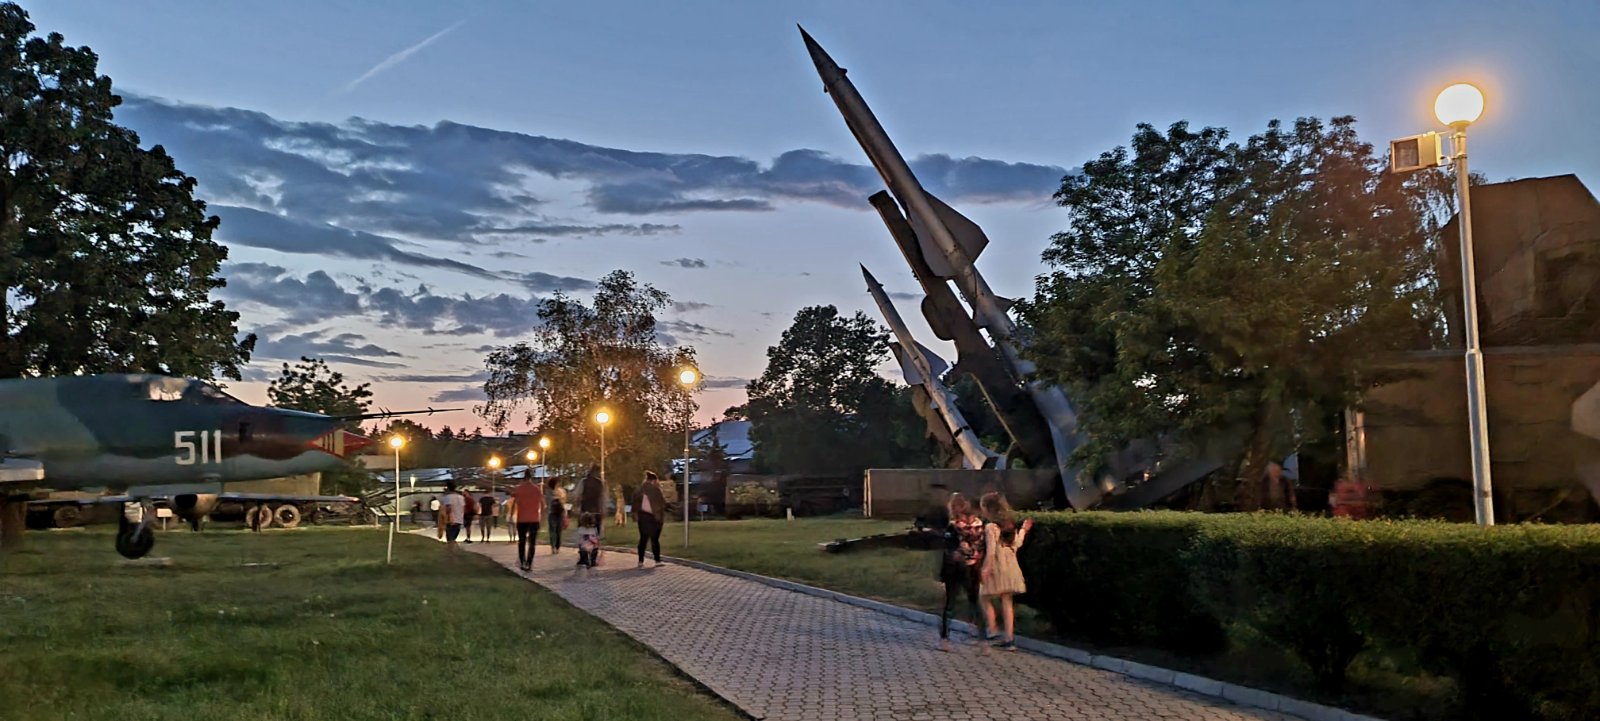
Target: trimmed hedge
{"points": [[1511, 613]]}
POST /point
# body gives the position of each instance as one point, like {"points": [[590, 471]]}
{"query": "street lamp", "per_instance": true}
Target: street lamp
{"points": [[1458, 106], [601, 418], [544, 445], [687, 379], [395, 442], [494, 465]]}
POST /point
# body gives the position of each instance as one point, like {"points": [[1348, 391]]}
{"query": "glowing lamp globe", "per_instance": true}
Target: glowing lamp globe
{"points": [[544, 443], [1459, 105], [494, 462], [602, 418], [688, 377], [397, 442], [531, 456]]}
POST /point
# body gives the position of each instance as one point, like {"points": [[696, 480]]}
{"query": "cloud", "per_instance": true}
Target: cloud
{"points": [[460, 183], [902, 295], [716, 382], [318, 297], [462, 394], [478, 377], [689, 306], [399, 57], [685, 263], [693, 330], [341, 348]]}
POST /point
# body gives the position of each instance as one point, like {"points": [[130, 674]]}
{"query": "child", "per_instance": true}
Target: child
{"points": [[963, 557], [588, 540], [1001, 576]]}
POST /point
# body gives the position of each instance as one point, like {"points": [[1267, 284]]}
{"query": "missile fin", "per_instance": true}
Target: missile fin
{"points": [[936, 365], [930, 311], [907, 368]]}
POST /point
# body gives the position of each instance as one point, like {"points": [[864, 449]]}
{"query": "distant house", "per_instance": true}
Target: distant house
{"points": [[733, 437]]}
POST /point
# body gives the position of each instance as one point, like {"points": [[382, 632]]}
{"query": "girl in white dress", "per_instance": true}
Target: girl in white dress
{"points": [[1001, 577]]}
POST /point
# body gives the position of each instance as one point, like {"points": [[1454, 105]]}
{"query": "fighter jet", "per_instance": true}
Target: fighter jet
{"points": [[122, 432]]}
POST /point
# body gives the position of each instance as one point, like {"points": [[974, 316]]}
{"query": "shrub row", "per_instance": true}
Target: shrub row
{"points": [[1511, 613]]}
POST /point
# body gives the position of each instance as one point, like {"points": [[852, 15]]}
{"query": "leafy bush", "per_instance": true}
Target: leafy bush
{"points": [[1511, 613]]}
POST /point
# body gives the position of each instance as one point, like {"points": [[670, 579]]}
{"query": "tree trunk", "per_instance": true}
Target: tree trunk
{"points": [[1253, 466], [13, 517]]}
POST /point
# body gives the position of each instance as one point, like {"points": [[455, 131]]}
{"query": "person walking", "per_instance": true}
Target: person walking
{"points": [[963, 559], [592, 497], [649, 511], [452, 510], [528, 500], [488, 516], [469, 512], [1001, 577], [557, 518]]}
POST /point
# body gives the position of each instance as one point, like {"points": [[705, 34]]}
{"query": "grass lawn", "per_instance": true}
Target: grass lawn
{"points": [[324, 631]]}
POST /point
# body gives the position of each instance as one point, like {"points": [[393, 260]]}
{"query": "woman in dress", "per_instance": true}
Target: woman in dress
{"points": [[1001, 576]]}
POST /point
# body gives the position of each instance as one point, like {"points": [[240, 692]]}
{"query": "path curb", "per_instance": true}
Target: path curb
{"points": [[1199, 685]]}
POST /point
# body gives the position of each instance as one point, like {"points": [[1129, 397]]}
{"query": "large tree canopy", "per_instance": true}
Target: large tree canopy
{"points": [[821, 407], [585, 358], [106, 257], [1204, 285]]}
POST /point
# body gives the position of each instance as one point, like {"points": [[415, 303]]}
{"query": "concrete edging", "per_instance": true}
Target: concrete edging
{"points": [[1234, 693]]}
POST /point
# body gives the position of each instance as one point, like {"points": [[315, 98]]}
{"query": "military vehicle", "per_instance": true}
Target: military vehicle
{"points": [[1537, 247], [127, 433]]}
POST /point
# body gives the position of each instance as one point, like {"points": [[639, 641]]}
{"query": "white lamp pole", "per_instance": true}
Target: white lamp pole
{"points": [[395, 442], [687, 378], [1459, 106]]}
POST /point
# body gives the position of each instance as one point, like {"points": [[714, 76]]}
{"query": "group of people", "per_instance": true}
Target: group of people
{"points": [[531, 504], [980, 562]]}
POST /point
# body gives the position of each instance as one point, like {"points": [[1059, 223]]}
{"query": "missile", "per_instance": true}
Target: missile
{"points": [[922, 367], [951, 244]]}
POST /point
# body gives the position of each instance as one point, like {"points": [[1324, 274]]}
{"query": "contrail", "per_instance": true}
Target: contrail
{"points": [[399, 57]]}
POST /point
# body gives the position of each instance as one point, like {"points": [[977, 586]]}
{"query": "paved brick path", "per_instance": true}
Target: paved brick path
{"points": [[778, 654]]}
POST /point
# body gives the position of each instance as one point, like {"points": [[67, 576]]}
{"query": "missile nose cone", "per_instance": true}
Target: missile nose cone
{"points": [[826, 67], [867, 274]]}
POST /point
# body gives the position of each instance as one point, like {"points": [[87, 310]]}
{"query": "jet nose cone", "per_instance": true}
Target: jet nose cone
{"points": [[340, 442]]}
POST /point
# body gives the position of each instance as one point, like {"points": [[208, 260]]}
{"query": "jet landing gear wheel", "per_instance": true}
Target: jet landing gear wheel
{"points": [[287, 516], [134, 540]]}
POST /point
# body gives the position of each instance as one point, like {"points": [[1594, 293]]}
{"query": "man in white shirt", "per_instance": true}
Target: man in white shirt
{"points": [[454, 508]]}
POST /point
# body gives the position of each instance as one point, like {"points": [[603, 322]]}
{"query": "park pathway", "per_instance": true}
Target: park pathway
{"points": [[779, 654]]}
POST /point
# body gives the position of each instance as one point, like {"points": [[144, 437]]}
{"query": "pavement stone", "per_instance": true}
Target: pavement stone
{"points": [[780, 654]]}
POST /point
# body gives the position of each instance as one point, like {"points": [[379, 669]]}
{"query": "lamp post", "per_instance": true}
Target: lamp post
{"points": [[602, 418], [687, 378], [544, 446], [1458, 106], [395, 442], [494, 468], [532, 456]]}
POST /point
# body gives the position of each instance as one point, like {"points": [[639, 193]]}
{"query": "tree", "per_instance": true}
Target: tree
{"points": [[1205, 285], [106, 258], [820, 406], [584, 358], [311, 385]]}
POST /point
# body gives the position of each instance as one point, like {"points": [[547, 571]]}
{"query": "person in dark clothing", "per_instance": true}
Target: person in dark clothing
{"points": [[557, 519], [592, 497], [649, 510], [468, 513], [964, 547]]}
